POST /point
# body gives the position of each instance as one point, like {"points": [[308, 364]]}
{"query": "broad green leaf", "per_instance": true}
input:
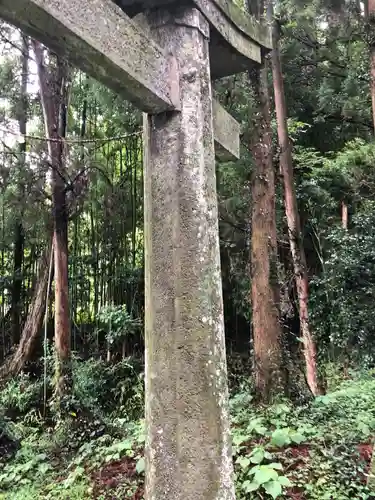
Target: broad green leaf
{"points": [[261, 430], [124, 445], [280, 438], [239, 439], [264, 474], [43, 468], [141, 438], [273, 488], [28, 466], [275, 465], [284, 481], [296, 437], [250, 486], [141, 465], [244, 462], [257, 456]]}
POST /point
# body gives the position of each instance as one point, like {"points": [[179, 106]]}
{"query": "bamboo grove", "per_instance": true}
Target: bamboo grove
{"points": [[103, 184]]}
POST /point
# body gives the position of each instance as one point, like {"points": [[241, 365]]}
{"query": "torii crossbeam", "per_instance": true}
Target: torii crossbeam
{"points": [[162, 55]]}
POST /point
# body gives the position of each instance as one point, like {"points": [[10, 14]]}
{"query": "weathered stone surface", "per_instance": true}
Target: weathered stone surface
{"points": [[188, 442], [249, 25], [100, 39], [244, 45], [236, 41], [155, 95], [226, 133], [226, 128]]}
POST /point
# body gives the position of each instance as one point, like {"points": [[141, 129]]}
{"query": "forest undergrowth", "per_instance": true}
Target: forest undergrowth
{"points": [[320, 450]]}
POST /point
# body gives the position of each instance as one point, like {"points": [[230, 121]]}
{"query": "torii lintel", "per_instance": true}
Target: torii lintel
{"points": [[99, 38], [236, 40]]}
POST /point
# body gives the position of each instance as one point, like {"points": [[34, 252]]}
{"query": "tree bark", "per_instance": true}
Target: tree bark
{"points": [[33, 324], [18, 226], [292, 215], [17, 280], [370, 17], [365, 9], [269, 373], [344, 215], [54, 99]]}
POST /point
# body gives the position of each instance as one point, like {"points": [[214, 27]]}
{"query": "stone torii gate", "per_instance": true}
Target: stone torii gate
{"points": [[161, 55]]}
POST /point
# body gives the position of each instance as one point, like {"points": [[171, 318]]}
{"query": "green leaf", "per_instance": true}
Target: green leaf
{"points": [[141, 465], [261, 430], [284, 481], [239, 439], [43, 468], [296, 437], [273, 488], [275, 465], [280, 438], [244, 462], [263, 474], [79, 471], [141, 438], [124, 445], [250, 486], [257, 456]]}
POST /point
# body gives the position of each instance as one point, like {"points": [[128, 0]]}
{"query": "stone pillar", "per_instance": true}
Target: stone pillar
{"points": [[188, 450]]}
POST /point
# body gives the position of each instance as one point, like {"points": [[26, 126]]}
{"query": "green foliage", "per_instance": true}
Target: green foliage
{"points": [[56, 468], [281, 450], [53, 490], [21, 395], [256, 470], [25, 470], [311, 450], [268, 478], [344, 294], [118, 323], [99, 388], [350, 408], [103, 387]]}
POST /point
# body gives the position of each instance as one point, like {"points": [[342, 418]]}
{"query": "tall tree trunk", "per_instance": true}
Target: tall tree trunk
{"points": [[365, 9], [268, 358], [292, 215], [18, 226], [344, 215], [54, 98], [269, 376], [17, 280], [370, 17], [33, 325]]}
